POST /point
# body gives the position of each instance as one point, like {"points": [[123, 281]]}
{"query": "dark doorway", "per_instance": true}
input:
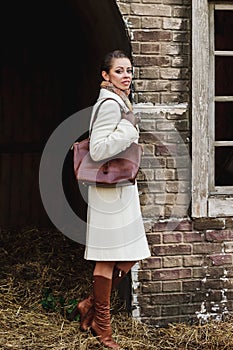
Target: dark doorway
{"points": [[50, 61]]}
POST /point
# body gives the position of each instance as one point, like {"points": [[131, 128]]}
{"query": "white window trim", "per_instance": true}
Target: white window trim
{"points": [[206, 200]]}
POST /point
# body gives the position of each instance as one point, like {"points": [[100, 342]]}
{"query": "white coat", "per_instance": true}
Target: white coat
{"points": [[115, 230]]}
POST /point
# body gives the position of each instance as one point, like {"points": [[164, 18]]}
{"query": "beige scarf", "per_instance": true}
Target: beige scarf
{"points": [[123, 94]]}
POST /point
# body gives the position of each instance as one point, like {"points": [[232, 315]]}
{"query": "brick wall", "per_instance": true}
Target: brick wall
{"points": [[160, 37], [188, 277], [189, 274]]}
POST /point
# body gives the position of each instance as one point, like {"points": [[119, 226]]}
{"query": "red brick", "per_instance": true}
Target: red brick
{"points": [[180, 11], [207, 248], [229, 271], [189, 309], [174, 237], [191, 286], [151, 60], [228, 246], [172, 261], [216, 284], [175, 249], [166, 150], [219, 235], [192, 237], [152, 287], [151, 10], [152, 263], [148, 137], [144, 275], [213, 295], [185, 225], [173, 225], [221, 259], [229, 223], [150, 48], [170, 298], [170, 310], [154, 238], [171, 274], [209, 223], [229, 295], [152, 35], [150, 162], [144, 300], [173, 286], [213, 272], [150, 311], [151, 97], [193, 260], [161, 226]]}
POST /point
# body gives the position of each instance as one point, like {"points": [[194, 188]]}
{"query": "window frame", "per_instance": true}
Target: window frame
{"points": [[207, 200]]}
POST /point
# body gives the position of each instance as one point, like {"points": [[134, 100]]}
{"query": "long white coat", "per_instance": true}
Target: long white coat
{"points": [[115, 230]]}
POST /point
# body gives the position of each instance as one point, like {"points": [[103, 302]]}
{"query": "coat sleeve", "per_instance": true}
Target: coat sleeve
{"points": [[110, 134]]}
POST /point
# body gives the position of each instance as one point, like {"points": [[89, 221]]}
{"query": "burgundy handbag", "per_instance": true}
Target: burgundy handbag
{"points": [[119, 170]]}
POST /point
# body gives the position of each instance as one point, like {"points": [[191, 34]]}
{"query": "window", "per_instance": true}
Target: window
{"points": [[212, 109]]}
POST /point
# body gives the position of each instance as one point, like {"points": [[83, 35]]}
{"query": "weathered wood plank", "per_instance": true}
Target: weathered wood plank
{"points": [[220, 207], [223, 143], [223, 98], [200, 96], [224, 6], [211, 107], [223, 53]]}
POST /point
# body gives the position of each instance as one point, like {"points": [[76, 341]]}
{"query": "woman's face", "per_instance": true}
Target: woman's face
{"points": [[120, 73]]}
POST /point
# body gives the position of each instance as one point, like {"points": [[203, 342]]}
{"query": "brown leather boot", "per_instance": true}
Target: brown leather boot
{"points": [[101, 323], [117, 276], [86, 310], [86, 307]]}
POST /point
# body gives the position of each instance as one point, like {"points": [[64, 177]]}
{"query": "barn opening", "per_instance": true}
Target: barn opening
{"points": [[50, 62]]}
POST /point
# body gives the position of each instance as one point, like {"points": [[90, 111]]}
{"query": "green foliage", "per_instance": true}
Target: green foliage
{"points": [[58, 304]]}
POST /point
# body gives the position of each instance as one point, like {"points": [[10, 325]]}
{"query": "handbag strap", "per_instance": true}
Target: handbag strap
{"points": [[97, 110]]}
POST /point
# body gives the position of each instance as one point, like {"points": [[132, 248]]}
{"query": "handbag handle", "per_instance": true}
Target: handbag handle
{"points": [[96, 113], [97, 110]]}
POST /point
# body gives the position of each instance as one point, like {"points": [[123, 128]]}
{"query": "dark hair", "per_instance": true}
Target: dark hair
{"points": [[107, 61]]}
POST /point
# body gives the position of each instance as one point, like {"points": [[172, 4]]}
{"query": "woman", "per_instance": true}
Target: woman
{"points": [[116, 238]]}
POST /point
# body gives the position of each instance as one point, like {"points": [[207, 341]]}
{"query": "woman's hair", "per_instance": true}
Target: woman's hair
{"points": [[107, 61]]}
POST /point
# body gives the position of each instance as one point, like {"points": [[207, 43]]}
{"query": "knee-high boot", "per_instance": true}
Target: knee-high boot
{"points": [[101, 323], [86, 307], [117, 276]]}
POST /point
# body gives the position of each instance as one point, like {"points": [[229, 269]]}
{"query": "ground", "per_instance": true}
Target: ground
{"points": [[43, 275]]}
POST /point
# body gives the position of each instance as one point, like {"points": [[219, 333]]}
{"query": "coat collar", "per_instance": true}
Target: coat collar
{"points": [[105, 94]]}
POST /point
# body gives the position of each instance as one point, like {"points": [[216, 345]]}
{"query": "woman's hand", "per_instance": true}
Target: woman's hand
{"points": [[131, 118]]}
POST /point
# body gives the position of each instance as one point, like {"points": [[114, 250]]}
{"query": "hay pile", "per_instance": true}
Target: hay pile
{"points": [[43, 275]]}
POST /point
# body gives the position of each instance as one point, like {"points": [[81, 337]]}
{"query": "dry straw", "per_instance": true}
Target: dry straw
{"points": [[43, 274]]}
